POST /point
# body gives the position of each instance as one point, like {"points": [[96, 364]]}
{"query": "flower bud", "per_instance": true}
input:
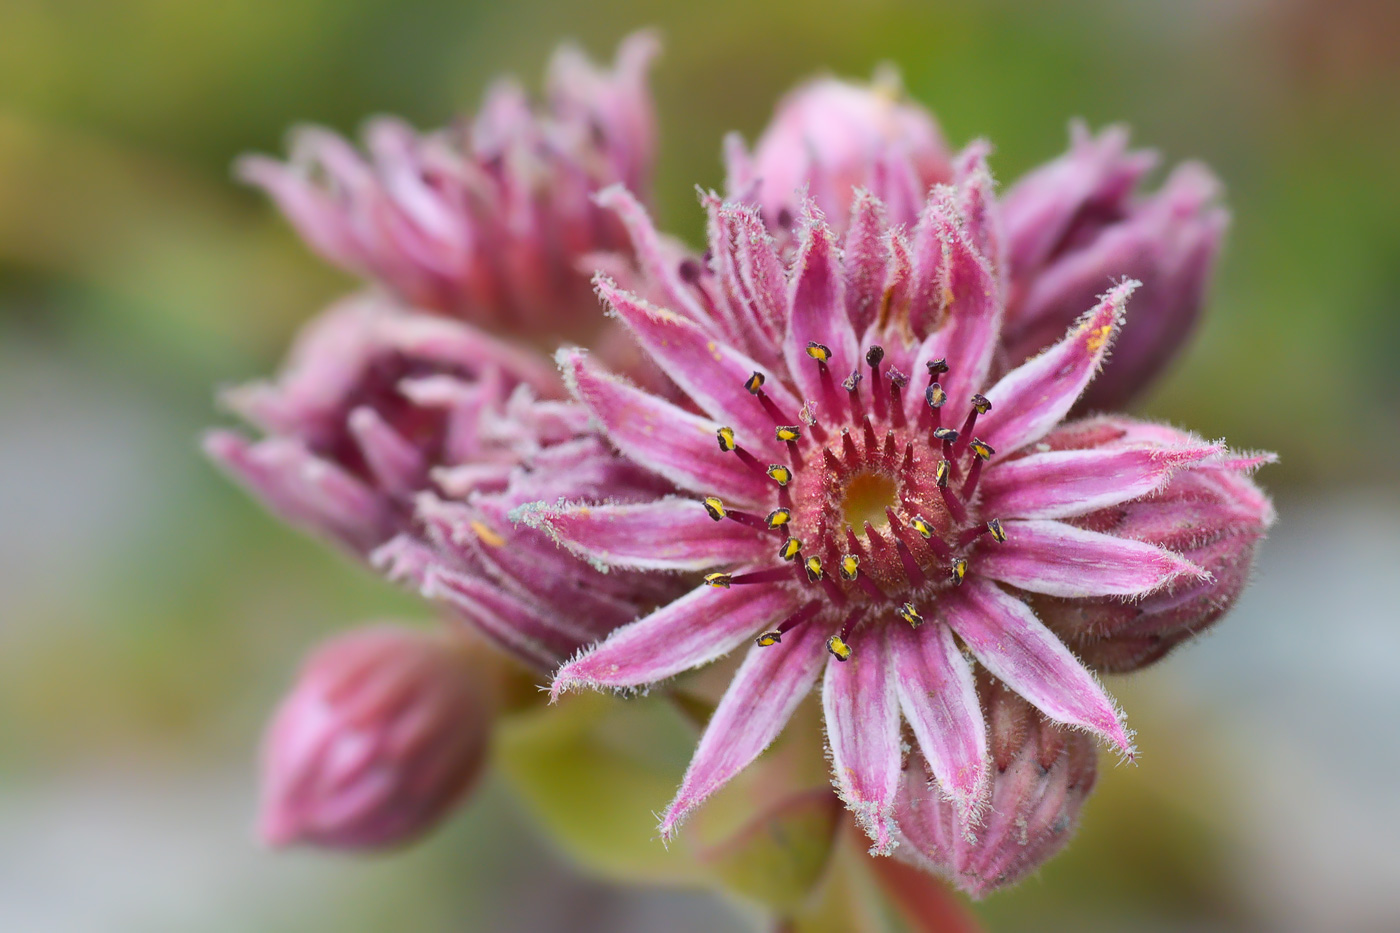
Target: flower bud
{"points": [[385, 731], [485, 220], [831, 137], [1212, 514], [1076, 225], [1042, 774]]}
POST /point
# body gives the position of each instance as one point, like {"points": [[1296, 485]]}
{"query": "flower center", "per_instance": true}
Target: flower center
{"points": [[867, 497]]}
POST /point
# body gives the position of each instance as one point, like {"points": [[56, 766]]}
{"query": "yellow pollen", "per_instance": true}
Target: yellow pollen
{"points": [[814, 569], [715, 506], [719, 580], [850, 566], [768, 639], [959, 571], [1097, 337], [487, 535], [921, 526], [909, 614], [818, 352], [998, 533], [780, 474], [726, 439], [867, 497], [790, 549], [838, 648], [788, 432], [779, 517], [754, 383]]}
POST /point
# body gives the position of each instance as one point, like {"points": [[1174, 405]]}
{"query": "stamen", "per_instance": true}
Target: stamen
{"points": [[819, 352], [715, 506], [839, 644], [768, 639], [780, 474], [955, 507], [779, 517], [719, 511], [814, 569], [852, 387], [980, 406], [722, 580], [935, 543], [909, 614], [936, 368], [940, 476], [948, 436], [992, 528], [958, 572], [897, 383], [790, 549], [981, 451], [770, 575], [755, 383], [998, 533], [850, 566], [788, 433], [726, 439], [873, 356], [851, 382]]}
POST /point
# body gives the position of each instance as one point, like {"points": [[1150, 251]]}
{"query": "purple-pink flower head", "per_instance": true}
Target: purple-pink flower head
{"points": [[1075, 223], [829, 138], [871, 507], [487, 220], [407, 438], [1041, 775], [385, 731]]}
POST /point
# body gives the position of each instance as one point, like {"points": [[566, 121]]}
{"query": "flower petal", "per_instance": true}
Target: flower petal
{"points": [[762, 697], [1061, 483], [536, 638], [862, 728], [705, 624], [939, 699], [818, 314], [1011, 642], [1035, 396], [708, 371], [1061, 560], [865, 253], [669, 534], [968, 299], [661, 437]]}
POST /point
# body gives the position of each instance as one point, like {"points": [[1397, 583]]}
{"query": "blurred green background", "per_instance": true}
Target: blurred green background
{"points": [[150, 615]]}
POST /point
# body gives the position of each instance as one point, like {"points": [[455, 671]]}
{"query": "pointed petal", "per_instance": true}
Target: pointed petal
{"points": [[1011, 642], [818, 312], [939, 699], [1035, 396], [865, 252], [862, 728], [705, 624], [972, 309], [661, 437], [669, 534], [708, 371], [977, 201], [535, 638], [1061, 483], [760, 269], [1061, 560], [762, 697]]}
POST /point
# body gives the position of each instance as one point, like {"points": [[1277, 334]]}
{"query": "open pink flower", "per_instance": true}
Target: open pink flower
{"points": [[486, 220], [872, 507], [407, 438]]}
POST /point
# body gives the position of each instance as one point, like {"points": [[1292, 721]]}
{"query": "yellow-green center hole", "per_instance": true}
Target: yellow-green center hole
{"points": [[867, 497]]}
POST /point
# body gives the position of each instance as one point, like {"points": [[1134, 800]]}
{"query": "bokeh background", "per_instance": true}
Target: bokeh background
{"points": [[150, 615]]}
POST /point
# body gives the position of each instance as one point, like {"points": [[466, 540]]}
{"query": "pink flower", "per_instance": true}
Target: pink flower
{"points": [[829, 138], [1078, 222], [407, 438], [1042, 774], [487, 221], [385, 731], [866, 528]]}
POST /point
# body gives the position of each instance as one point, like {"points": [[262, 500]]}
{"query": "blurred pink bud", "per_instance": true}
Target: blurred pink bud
{"points": [[384, 733], [831, 137], [1212, 514], [1076, 225], [1042, 774], [485, 220]]}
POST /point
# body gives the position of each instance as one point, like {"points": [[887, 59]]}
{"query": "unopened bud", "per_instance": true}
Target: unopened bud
{"points": [[385, 731]]}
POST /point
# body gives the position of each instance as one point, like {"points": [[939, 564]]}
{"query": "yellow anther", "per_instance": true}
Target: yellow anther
{"points": [[721, 580], [850, 566], [754, 383], [981, 403], [998, 532], [715, 506], [726, 439], [921, 526], [818, 352], [982, 449], [787, 432], [909, 614], [790, 549], [780, 474], [838, 648], [779, 517], [768, 639], [935, 396], [814, 569], [940, 475], [959, 571]]}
